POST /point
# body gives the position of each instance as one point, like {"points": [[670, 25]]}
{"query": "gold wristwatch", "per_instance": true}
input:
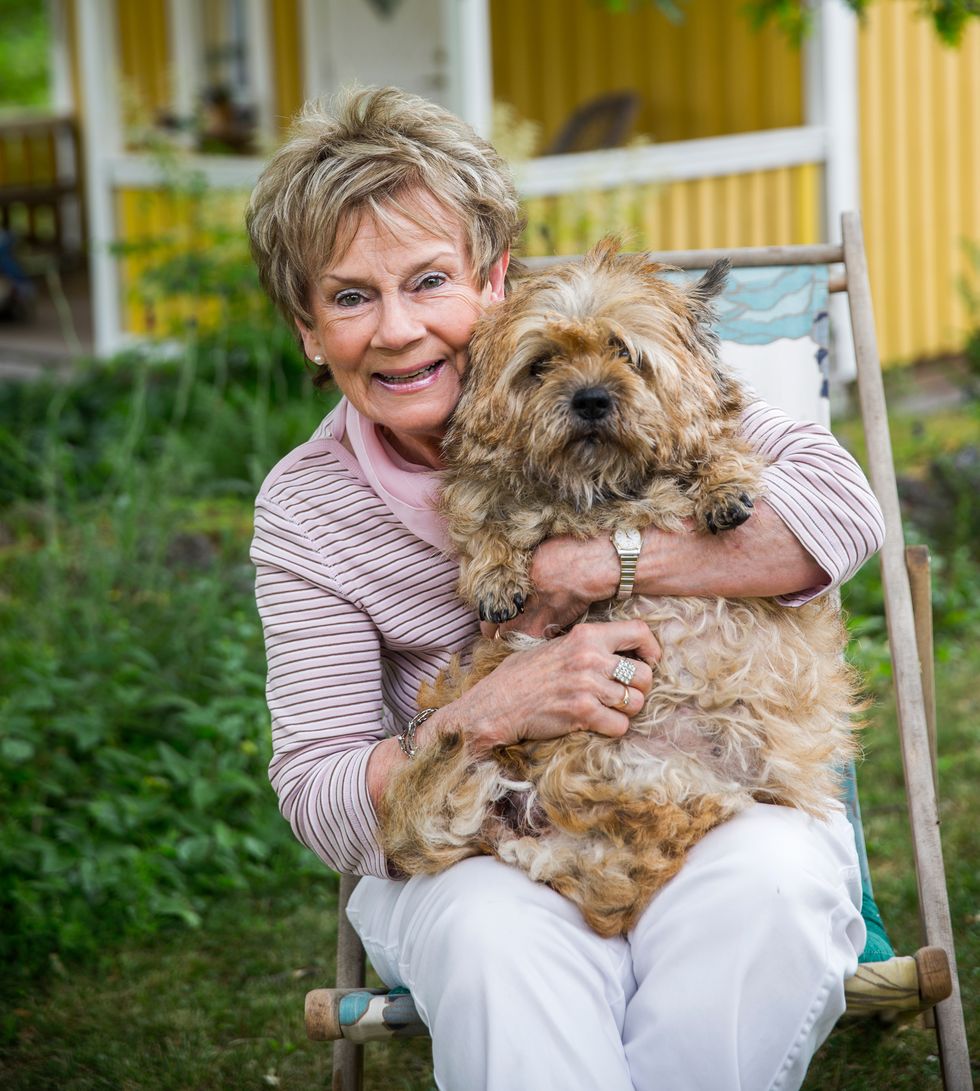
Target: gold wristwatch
{"points": [[627, 544]]}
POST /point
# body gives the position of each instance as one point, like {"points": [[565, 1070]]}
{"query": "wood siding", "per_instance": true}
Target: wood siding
{"points": [[144, 59], [756, 209], [707, 76], [157, 225], [920, 177], [287, 60]]}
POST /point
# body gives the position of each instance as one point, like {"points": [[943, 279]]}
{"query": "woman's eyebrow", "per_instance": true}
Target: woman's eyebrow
{"points": [[340, 277]]}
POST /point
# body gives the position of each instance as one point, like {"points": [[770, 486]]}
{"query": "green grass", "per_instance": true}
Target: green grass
{"points": [[158, 924], [222, 1006]]}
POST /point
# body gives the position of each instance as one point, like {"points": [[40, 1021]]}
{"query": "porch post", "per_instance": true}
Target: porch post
{"points": [[258, 36], [101, 138], [184, 20], [67, 159], [831, 100], [470, 74], [59, 59], [317, 78]]}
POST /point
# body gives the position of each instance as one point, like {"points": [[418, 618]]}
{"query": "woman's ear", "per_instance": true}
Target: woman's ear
{"points": [[310, 344], [497, 278]]}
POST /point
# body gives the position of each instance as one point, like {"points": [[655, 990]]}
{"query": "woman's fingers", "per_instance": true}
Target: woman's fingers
{"points": [[631, 636], [564, 685], [619, 697]]}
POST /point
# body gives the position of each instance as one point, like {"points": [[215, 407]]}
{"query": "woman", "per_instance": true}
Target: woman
{"points": [[382, 231]]}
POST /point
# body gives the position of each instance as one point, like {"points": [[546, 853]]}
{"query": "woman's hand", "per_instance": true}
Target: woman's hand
{"points": [[558, 687], [561, 686], [760, 559], [568, 575]]}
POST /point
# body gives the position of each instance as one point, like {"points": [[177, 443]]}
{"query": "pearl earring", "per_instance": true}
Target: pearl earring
{"points": [[318, 359]]}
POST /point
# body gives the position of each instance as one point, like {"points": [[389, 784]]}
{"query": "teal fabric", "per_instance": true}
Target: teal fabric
{"points": [[761, 305], [878, 948]]}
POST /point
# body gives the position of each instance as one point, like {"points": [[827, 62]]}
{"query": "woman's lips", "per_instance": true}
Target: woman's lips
{"points": [[414, 380]]}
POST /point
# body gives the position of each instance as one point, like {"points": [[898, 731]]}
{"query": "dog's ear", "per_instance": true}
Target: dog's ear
{"points": [[712, 284], [604, 250]]}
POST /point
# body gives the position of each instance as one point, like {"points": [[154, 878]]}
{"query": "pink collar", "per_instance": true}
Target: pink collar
{"points": [[407, 490]]}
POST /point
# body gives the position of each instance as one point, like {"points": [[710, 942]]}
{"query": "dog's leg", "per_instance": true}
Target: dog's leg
{"points": [[494, 576], [612, 879], [724, 489], [438, 809]]}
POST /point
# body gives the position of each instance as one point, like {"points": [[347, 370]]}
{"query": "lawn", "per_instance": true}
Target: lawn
{"points": [[158, 926]]}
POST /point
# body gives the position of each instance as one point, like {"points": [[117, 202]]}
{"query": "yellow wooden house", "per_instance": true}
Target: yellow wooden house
{"points": [[722, 136]]}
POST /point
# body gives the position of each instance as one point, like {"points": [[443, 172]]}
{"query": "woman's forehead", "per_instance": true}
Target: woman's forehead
{"points": [[416, 220]]}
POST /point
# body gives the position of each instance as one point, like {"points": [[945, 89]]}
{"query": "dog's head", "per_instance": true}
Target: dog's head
{"points": [[596, 375]]}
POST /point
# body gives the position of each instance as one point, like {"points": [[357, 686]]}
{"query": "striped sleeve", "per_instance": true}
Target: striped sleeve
{"points": [[819, 492], [323, 690]]}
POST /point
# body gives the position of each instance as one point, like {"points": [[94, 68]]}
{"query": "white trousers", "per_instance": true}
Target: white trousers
{"points": [[731, 979]]}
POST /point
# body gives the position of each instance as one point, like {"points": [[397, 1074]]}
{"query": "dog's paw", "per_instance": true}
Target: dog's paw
{"points": [[731, 512], [503, 606]]}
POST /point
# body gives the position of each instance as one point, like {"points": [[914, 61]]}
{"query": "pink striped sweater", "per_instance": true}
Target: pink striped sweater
{"points": [[357, 611]]}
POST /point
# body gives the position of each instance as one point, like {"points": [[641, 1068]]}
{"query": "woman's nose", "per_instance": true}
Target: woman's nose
{"points": [[398, 324]]}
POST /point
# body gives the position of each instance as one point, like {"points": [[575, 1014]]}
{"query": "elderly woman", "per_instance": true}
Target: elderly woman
{"points": [[382, 231]]}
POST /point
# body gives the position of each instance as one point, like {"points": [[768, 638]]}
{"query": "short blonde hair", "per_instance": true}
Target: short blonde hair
{"points": [[367, 151]]}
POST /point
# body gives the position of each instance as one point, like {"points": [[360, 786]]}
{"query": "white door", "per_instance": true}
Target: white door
{"points": [[407, 47]]}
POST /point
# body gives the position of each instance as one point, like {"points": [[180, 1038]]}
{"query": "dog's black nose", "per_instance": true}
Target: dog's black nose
{"points": [[592, 402]]}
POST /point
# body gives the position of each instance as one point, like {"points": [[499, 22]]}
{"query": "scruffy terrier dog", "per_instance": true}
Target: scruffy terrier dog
{"points": [[596, 399]]}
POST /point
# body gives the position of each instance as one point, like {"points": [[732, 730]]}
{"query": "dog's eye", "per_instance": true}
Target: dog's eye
{"points": [[537, 366], [619, 347]]}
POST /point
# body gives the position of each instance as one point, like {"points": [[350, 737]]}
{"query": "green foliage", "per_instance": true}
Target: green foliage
{"points": [[794, 18], [24, 53], [673, 11], [970, 289], [134, 729], [219, 415]]}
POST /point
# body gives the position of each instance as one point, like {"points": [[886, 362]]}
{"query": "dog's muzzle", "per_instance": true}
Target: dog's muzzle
{"points": [[592, 403]]}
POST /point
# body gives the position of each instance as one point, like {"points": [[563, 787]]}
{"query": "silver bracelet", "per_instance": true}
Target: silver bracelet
{"points": [[406, 740]]}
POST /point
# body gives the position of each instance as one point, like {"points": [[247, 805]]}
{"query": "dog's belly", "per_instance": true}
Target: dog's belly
{"points": [[747, 694]]}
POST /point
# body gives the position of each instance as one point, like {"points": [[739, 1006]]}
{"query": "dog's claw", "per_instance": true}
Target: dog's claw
{"points": [[730, 515], [496, 615]]}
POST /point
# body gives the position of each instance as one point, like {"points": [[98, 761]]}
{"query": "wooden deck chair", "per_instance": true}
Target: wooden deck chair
{"points": [[777, 296]]}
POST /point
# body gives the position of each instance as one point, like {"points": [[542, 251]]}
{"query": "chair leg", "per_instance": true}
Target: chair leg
{"points": [[919, 566], [916, 758], [348, 1057]]}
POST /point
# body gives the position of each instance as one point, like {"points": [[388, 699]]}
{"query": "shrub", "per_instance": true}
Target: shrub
{"points": [[134, 746]]}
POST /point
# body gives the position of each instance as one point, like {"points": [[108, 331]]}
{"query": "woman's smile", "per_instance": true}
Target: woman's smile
{"points": [[405, 382]]}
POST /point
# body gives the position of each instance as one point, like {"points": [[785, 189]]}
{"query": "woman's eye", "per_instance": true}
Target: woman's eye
{"points": [[349, 299], [432, 280]]}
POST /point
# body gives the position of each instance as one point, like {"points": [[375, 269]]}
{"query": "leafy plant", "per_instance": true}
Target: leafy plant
{"points": [[794, 18], [24, 53], [134, 735]]}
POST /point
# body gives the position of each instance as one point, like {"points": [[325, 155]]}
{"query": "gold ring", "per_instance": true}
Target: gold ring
{"points": [[627, 697]]}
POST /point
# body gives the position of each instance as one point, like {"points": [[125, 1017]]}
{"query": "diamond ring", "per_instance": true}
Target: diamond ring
{"points": [[624, 672]]}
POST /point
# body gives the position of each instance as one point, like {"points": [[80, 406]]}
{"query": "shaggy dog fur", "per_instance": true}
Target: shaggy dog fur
{"points": [[595, 399]]}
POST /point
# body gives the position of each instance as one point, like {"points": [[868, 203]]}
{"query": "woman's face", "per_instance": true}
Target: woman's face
{"points": [[393, 316]]}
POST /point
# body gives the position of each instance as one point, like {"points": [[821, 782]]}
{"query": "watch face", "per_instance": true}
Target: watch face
{"points": [[628, 540]]}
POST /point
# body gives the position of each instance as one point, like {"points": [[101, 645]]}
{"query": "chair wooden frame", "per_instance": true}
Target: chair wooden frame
{"points": [[925, 982]]}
